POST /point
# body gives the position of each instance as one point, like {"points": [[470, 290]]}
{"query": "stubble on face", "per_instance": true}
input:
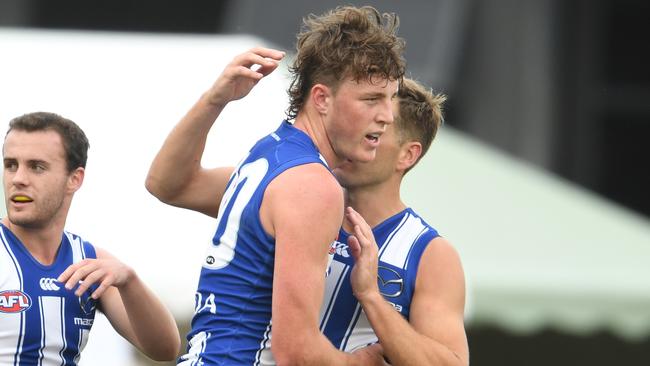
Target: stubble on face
{"points": [[46, 188]]}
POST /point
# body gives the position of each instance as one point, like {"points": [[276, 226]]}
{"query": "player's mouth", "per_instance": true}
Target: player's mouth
{"points": [[19, 198], [373, 138]]}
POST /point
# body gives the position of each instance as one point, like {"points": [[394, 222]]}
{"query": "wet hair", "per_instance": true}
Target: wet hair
{"points": [[420, 114], [347, 42], [75, 142]]}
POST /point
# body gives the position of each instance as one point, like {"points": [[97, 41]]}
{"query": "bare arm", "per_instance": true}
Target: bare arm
{"points": [[435, 333], [176, 176], [303, 209], [130, 306]]}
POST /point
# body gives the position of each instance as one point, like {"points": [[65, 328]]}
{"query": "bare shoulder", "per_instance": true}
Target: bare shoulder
{"points": [[440, 266], [300, 197], [440, 250]]}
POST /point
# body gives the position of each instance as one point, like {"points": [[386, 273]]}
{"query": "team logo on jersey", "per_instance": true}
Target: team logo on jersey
{"points": [[14, 301], [391, 283], [86, 302], [48, 284]]}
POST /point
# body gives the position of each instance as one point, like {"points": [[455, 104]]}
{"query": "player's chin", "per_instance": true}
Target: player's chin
{"points": [[367, 155]]}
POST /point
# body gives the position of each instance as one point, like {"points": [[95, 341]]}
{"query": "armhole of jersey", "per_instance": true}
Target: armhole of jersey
{"points": [[89, 249], [424, 242]]}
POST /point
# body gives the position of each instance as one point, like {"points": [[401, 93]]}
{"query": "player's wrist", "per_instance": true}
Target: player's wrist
{"points": [[369, 297], [213, 100]]}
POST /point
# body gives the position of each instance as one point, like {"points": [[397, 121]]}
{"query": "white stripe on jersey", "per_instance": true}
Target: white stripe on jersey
{"points": [[77, 246], [196, 347], [264, 355], [361, 335], [337, 273], [395, 251], [52, 338], [350, 331], [10, 278], [83, 339]]}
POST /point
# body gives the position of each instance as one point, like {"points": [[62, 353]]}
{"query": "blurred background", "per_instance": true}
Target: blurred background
{"points": [[540, 177]]}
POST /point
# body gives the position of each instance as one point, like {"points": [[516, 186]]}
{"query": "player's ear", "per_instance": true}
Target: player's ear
{"points": [[321, 97], [409, 155], [75, 179]]}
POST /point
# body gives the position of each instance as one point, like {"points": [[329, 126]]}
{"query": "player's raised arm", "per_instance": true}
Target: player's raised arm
{"points": [[176, 176]]}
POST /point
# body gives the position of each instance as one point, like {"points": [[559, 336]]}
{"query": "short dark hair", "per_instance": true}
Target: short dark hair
{"points": [[345, 42], [420, 114], [75, 142]]}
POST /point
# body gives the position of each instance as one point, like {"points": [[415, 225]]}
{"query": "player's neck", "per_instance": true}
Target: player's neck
{"points": [[311, 123], [42, 242], [375, 203]]}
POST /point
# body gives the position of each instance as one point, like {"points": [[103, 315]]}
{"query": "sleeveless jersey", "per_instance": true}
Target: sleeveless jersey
{"points": [[41, 322], [232, 317], [401, 239]]}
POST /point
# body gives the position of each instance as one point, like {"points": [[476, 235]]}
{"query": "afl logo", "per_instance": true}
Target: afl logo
{"points": [[14, 301]]}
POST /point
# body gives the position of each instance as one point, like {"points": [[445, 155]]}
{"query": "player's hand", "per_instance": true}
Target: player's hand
{"points": [[105, 272], [372, 355], [364, 249], [242, 74]]}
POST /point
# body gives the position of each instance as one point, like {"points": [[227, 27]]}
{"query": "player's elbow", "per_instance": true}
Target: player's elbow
{"points": [[158, 189], [153, 185], [166, 349], [291, 352]]}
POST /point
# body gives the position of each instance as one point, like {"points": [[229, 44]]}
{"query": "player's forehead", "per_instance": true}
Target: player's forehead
{"points": [[42, 145], [370, 85]]}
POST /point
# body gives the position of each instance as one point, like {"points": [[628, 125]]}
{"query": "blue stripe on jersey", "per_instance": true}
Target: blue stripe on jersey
{"points": [[353, 323], [62, 335]]}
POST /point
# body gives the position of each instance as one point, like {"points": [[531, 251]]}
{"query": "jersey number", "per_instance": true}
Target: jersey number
{"points": [[239, 192]]}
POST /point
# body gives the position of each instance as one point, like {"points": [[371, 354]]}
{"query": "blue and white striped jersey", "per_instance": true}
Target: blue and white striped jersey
{"points": [[41, 323], [402, 239], [232, 319]]}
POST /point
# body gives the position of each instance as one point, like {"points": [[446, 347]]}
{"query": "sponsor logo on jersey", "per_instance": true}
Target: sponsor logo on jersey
{"points": [[84, 322], [49, 284], [14, 301], [397, 307], [391, 283], [341, 249]]}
